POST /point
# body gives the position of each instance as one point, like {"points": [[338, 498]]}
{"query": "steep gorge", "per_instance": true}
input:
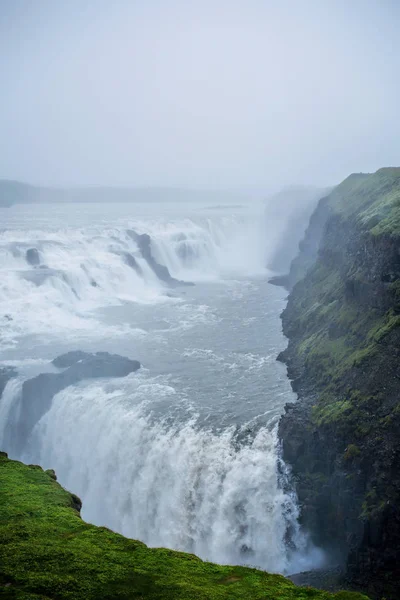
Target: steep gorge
{"points": [[342, 320]]}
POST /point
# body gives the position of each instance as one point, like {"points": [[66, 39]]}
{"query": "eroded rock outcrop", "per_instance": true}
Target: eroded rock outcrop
{"points": [[144, 244]]}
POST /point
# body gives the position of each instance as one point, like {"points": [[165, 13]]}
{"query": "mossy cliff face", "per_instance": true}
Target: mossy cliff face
{"points": [[47, 551], [343, 324]]}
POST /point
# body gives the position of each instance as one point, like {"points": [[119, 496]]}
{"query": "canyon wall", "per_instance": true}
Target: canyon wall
{"points": [[342, 320]]}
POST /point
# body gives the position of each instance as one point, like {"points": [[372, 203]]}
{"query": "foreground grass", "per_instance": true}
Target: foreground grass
{"points": [[47, 551]]}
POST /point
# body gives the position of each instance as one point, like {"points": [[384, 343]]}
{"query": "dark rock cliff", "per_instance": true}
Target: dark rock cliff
{"points": [[343, 324]]}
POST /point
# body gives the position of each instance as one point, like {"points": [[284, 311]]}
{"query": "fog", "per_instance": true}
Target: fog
{"points": [[227, 94]]}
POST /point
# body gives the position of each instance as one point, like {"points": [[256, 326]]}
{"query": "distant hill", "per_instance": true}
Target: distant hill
{"points": [[13, 192]]}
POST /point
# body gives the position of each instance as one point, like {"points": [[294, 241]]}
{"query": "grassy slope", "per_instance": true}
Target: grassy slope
{"points": [[47, 551]]}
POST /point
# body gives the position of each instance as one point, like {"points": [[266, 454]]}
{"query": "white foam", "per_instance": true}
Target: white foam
{"points": [[173, 485], [86, 270]]}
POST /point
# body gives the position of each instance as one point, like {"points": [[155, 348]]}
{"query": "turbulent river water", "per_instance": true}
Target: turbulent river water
{"points": [[184, 452]]}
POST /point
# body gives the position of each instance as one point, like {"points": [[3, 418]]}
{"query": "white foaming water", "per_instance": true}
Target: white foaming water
{"points": [[10, 412], [82, 270], [175, 485], [183, 453]]}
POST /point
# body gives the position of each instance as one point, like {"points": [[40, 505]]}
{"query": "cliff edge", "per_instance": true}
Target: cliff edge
{"points": [[343, 324]]}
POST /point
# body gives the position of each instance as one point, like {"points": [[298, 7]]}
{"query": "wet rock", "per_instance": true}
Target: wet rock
{"points": [[39, 275], [51, 473], [85, 365], [131, 261], [331, 580], [280, 281], [69, 358], [32, 257], [144, 244]]}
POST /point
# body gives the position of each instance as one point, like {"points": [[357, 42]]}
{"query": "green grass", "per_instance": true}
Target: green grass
{"points": [[48, 552], [374, 199]]}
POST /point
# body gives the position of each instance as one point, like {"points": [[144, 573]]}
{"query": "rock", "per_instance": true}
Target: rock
{"points": [[51, 473], [76, 502], [32, 257], [132, 262], [39, 275], [331, 579], [280, 281], [69, 358], [84, 365], [144, 244], [38, 392]]}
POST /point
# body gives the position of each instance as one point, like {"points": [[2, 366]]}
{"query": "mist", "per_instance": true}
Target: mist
{"points": [[232, 95]]}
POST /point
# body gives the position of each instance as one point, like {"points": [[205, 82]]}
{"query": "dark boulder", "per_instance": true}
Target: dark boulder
{"points": [[32, 257], [143, 242]]}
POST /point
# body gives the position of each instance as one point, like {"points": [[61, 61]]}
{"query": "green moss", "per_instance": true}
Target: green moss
{"points": [[374, 199], [372, 504], [359, 357], [328, 413], [385, 325], [48, 552], [352, 451]]}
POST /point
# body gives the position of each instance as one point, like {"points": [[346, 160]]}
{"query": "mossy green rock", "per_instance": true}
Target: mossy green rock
{"points": [[48, 552]]}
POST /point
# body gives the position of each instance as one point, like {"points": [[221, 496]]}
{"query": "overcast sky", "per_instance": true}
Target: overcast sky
{"points": [[208, 93]]}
